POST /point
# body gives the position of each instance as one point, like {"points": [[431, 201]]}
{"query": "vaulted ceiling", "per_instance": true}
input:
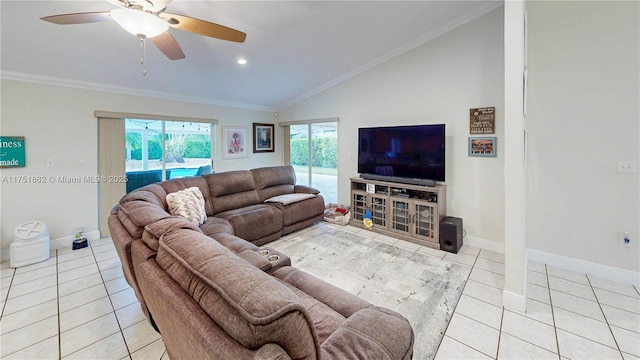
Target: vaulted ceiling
{"points": [[293, 48]]}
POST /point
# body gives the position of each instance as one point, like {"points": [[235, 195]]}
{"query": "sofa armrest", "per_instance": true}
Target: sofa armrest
{"points": [[343, 302], [255, 259], [372, 333], [271, 352], [305, 189]]}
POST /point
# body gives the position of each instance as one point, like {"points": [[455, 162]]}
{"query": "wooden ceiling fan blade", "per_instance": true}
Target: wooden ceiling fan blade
{"points": [[78, 18], [166, 43], [201, 27]]}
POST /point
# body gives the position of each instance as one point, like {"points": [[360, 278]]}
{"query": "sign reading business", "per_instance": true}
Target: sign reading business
{"points": [[12, 151]]}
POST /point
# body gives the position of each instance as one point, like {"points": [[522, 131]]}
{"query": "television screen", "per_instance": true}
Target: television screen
{"points": [[416, 152]]}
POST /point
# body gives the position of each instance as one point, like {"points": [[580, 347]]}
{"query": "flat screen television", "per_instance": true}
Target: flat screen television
{"points": [[399, 153]]}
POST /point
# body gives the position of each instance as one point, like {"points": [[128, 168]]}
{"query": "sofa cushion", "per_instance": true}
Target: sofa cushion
{"points": [[233, 243], [135, 215], [273, 181], [301, 210], [214, 225], [305, 189], [251, 306], [287, 199], [372, 333], [231, 190], [188, 204], [154, 231], [254, 222], [325, 319], [151, 193]]}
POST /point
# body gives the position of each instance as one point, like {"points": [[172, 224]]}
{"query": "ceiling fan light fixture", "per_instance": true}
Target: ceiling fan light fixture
{"points": [[139, 22]]}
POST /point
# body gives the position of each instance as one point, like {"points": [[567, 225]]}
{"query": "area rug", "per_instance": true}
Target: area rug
{"points": [[423, 288]]}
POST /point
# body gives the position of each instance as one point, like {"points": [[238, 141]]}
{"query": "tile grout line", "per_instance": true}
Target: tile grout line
{"points": [[553, 314], [6, 298], [578, 335], [112, 307], [605, 318], [500, 332], [527, 341], [111, 302], [58, 309], [481, 323], [454, 309]]}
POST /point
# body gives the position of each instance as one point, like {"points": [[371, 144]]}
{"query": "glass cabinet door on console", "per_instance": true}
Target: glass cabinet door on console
{"points": [[400, 219], [361, 201], [378, 207], [358, 204], [414, 217], [425, 220]]}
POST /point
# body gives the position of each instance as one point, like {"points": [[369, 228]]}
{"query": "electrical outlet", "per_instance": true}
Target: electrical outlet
{"points": [[625, 239], [627, 167]]}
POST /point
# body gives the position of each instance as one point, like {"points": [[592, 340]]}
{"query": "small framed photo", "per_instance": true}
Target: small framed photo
{"points": [[263, 137], [234, 142], [483, 146]]}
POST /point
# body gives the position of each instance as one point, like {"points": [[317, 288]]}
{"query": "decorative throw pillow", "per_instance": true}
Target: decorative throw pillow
{"points": [[189, 204]]}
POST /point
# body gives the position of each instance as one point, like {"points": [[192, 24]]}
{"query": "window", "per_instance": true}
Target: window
{"points": [[161, 150], [313, 153]]}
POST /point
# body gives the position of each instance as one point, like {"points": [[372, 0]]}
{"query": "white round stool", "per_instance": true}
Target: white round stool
{"points": [[30, 244]]}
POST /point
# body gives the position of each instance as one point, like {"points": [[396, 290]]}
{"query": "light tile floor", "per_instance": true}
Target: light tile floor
{"points": [[77, 305]]}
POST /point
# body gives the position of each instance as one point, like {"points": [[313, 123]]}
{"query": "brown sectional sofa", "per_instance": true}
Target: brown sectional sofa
{"points": [[211, 291]]}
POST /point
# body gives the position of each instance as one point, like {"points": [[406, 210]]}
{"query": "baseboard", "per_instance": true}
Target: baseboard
{"points": [[484, 244], [513, 301], [67, 241], [55, 244], [586, 267]]}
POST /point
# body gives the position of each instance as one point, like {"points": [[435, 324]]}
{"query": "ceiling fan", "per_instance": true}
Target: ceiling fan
{"points": [[148, 19]]}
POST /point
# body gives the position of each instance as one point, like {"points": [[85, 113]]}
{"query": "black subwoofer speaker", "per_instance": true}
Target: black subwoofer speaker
{"points": [[451, 234]]}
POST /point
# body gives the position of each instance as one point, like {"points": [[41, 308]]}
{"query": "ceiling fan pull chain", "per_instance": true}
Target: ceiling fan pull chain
{"points": [[143, 48]]}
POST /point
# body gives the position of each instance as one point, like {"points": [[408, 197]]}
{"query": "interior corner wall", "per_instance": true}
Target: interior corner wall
{"points": [[582, 117], [437, 82], [58, 123]]}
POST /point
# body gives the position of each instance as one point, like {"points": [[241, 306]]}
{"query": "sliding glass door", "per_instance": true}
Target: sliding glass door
{"points": [[161, 150], [313, 152]]}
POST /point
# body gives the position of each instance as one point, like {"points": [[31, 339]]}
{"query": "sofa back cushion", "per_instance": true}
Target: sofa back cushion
{"points": [[153, 194], [273, 181], [231, 190], [154, 231], [135, 215], [251, 306]]}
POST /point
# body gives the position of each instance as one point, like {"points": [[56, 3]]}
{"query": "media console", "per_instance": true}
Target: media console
{"points": [[406, 211]]}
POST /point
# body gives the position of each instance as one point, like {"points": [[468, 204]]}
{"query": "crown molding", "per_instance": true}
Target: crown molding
{"points": [[399, 51], [49, 80]]}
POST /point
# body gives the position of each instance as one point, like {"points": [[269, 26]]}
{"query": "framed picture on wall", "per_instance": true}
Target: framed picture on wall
{"points": [[263, 137], [234, 142], [483, 146]]}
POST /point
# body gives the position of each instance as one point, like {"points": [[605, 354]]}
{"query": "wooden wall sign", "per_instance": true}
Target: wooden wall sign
{"points": [[482, 120]]}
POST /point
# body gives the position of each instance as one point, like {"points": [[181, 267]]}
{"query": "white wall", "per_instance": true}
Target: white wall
{"points": [[583, 116], [437, 82], [58, 123]]}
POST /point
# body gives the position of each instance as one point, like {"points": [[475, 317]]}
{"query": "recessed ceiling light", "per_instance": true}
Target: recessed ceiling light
{"points": [[242, 61]]}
